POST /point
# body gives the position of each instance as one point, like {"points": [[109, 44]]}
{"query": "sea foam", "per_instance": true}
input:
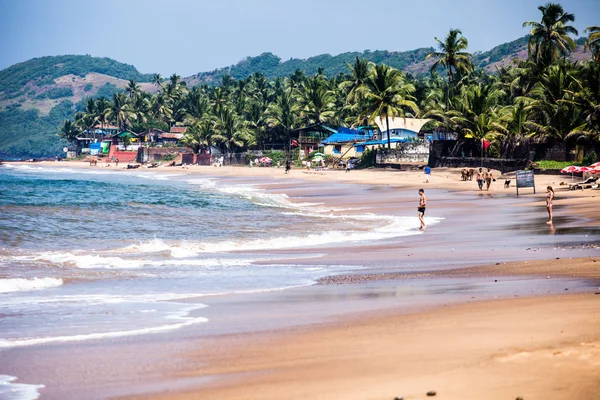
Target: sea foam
{"points": [[20, 284], [10, 390]]}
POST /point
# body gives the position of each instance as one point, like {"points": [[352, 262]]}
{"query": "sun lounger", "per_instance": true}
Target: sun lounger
{"points": [[585, 184]]}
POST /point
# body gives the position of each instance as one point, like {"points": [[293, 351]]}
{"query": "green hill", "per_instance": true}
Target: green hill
{"points": [[36, 95]]}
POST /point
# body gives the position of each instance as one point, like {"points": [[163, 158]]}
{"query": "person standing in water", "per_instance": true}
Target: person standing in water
{"points": [[480, 178], [549, 199], [421, 209]]}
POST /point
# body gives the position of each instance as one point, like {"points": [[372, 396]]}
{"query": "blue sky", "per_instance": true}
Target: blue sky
{"points": [[190, 36]]}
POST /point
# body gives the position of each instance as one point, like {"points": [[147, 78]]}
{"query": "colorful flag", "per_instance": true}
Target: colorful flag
{"points": [[485, 144], [294, 142]]}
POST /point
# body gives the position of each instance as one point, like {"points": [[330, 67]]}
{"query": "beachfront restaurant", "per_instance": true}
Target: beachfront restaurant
{"points": [[348, 143], [310, 137], [401, 130]]}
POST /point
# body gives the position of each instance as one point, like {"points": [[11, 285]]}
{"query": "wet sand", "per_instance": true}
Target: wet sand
{"points": [[470, 308]]}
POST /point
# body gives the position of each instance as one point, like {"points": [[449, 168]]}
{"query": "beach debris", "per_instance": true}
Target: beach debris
{"points": [[519, 398], [398, 398], [431, 393]]}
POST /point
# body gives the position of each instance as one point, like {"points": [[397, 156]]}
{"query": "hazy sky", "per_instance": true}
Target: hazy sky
{"points": [[190, 36]]}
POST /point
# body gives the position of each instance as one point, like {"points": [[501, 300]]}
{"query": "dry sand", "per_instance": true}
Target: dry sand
{"points": [[534, 348]]}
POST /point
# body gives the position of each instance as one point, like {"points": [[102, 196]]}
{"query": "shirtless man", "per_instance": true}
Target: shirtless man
{"points": [[488, 178], [480, 178], [421, 209]]}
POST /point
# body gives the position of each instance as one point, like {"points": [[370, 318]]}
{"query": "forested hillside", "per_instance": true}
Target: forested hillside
{"points": [[37, 95]]}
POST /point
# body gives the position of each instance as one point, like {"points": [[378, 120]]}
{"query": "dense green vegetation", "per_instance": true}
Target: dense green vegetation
{"points": [[258, 103], [42, 71], [25, 134]]}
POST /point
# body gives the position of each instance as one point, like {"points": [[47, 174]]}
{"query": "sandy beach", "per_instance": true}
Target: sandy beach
{"points": [[529, 329]]}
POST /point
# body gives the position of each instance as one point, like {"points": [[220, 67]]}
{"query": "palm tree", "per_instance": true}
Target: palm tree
{"points": [[199, 134], [549, 39], [133, 88], [120, 111], [231, 131], [387, 94], [283, 113], [555, 107], [158, 80], [316, 101], [593, 41], [102, 108], [69, 131], [452, 56]]}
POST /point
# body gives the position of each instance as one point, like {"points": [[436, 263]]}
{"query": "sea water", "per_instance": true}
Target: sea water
{"points": [[92, 254]]}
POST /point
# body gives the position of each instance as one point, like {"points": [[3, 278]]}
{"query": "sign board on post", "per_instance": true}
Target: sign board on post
{"points": [[525, 179]]}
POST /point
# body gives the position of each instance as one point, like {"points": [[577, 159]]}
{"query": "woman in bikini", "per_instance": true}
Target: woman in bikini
{"points": [[549, 199]]}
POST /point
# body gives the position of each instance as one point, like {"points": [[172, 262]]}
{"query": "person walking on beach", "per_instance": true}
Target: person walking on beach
{"points": [[488, 178], [480, 178], [549, 199], [287, 166], [427, 173], [421, 209]]}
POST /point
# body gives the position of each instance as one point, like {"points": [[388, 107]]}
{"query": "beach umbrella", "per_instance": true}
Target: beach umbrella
{"points": [[265, 160], [595, 165], [570, 169]]}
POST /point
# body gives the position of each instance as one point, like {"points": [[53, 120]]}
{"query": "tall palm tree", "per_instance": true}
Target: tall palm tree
{"points": [[555, 107], [158, 80], [316, 101], [200, 134], [133, 88], [231, 131], [121, 111], [452, 55], [69, 131], [549, 39], [593, 41], [387, 95], [283, 113]]}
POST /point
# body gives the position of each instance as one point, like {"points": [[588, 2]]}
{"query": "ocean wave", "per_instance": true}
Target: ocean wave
{"points": [[20, 284], [9, 389], [187, 321], [264, 198], [85, 261]]}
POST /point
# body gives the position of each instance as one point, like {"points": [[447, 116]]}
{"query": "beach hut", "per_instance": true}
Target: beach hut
{"points": [[310, 137], [346, 143], [402, 129]]}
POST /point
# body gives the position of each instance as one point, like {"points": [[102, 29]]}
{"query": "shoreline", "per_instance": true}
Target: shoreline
{"points": [[250, 369]]}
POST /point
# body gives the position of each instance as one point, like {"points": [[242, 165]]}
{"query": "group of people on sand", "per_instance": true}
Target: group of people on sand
{"points": [[485, 177]]}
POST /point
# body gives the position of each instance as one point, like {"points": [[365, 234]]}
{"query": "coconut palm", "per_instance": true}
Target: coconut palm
{"points": [[283, 113], [388, 95], [555, 106], [452, 55], [199, 134], [231, 131], [316, 101], [133, 88], [593, 41], [158, 80], [69, 131], [549, 39], [120, 111]]}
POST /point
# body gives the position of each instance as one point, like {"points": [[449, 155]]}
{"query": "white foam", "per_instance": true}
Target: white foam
{"points": [[20, 284], [202, 182], [9, 390], [86, 261], [187, 321]]}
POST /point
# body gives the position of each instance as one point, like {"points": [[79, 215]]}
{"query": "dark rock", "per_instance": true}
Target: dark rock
{"points": [[431, 393], [398, 398]]}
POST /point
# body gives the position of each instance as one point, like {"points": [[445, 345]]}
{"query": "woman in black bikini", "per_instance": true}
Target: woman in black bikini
{"points": [[549, 199]]}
